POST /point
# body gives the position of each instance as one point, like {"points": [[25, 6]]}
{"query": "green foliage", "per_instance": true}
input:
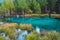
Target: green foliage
{"points": [[33, 36], [9, 29], [2, 38], [36, 5], [27, 5], [53, 35], [42, 2], [28, 27], [22, 4], [52, 4], [9, 32]]}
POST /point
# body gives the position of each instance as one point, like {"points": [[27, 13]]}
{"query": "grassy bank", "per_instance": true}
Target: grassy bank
{"points": [[36, 15], [43, 15], [55, 15]]}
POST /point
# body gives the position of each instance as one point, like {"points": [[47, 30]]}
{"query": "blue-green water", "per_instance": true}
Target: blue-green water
{"points": [[1, 1], [43, 23]]}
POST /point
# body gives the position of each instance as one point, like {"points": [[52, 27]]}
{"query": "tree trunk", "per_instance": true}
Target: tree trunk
{"points": [[10, 11], [23, 12], [45, 9]]}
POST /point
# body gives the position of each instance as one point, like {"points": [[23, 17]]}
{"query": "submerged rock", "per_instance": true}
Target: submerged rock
{"points": [[21, 36], [37, 29]]}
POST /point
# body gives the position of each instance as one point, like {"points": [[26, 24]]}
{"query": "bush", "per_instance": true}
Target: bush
{"points": [[1, 38], [10, 32], [53, 35], [33, 36], [9, 29], [28, 27]]}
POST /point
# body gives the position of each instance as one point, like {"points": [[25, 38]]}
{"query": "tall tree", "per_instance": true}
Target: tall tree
{"points": [[58, 6], [34, 6], [43, 4], [9, 5], [52, 4], [22, 5]]}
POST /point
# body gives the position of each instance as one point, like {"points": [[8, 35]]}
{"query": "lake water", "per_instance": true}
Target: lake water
{"points": [[46, 23]]}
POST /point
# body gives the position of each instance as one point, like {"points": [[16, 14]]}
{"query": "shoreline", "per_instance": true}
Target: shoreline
{"points": [[35, 15]]}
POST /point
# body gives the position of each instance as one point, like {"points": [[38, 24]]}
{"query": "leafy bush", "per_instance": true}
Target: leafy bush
{"points": [[1, 38], [33, 36], [9, 29], [53, 35], [28, 27]]}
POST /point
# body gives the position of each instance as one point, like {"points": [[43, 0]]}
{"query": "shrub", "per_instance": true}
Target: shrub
{"points": [[53, 35], [9, 29], [10, 32], [1, 38], [26, 27], [33, 36]]}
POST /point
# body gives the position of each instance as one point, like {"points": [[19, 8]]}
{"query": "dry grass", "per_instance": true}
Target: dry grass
{"points": [[55, 15], [26, 27]]}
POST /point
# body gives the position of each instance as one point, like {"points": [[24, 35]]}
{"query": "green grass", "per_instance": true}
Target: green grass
{"points": [[2, 38], [52, 35], [42, 15]]}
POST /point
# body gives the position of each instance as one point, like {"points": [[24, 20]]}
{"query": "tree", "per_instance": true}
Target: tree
{"points": [[34, 6], [9, 5], [58, 6], [22, 5], [43, 5], [52, 4]]}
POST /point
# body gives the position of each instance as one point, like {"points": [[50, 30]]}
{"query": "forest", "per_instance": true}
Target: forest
{"points": [[29, 6]]}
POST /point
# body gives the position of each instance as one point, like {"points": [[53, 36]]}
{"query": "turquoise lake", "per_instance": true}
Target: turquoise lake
{"points": [[46, 23], [1, 1]]}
